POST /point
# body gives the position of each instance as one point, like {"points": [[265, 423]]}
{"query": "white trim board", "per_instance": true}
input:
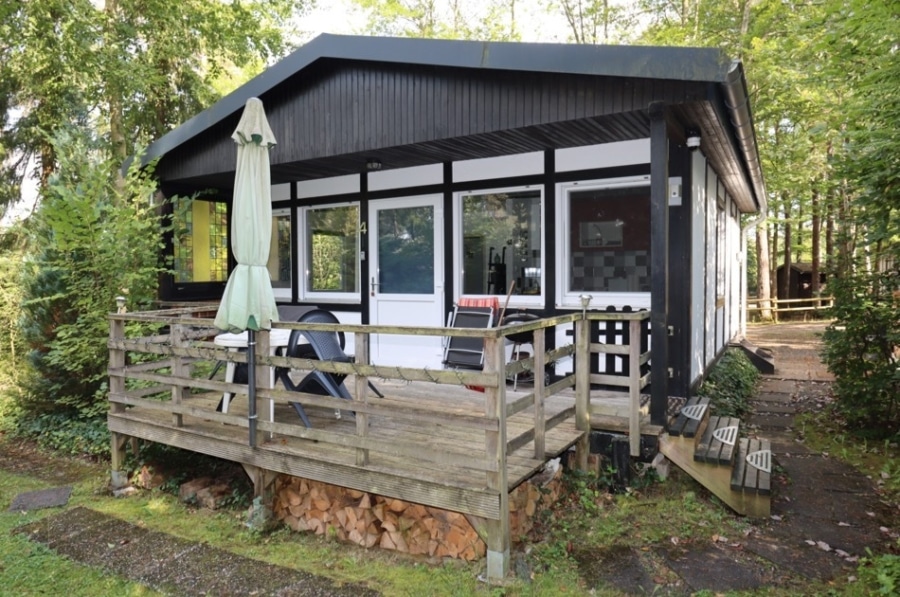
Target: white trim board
{"points": [[605, 155]]}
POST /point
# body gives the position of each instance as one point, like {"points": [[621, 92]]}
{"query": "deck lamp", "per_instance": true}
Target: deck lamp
{"points": [[120, 303], [585, 301]]}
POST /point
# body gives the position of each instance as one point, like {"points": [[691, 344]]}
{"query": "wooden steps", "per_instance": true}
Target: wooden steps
{"points": [[709, 448]]}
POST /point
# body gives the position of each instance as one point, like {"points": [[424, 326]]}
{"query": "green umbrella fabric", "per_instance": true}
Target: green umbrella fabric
{"points": [[248, 302]]}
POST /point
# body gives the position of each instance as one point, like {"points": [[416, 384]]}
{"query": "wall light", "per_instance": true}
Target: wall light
{"points": [[373, 164]]}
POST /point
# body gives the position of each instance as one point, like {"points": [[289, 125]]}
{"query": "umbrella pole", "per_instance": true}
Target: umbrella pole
{"points": [[251, 385]]}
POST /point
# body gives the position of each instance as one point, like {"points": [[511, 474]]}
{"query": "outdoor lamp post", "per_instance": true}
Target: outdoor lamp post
{"points": [[585, 301]]}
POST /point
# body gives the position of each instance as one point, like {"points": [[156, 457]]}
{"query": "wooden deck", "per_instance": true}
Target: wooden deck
{"points": [[450, 462], [431, 440]]}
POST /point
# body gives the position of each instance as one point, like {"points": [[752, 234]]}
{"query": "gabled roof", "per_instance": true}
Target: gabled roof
{"points": [[697, 65]]}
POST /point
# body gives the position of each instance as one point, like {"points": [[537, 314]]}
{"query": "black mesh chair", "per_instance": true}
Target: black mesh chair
{"points": [[308, 351], [322, 346]]}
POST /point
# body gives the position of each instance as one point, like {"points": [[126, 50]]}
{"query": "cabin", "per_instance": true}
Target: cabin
{"points": [[598, 188], [411, 172], [799, 279]]}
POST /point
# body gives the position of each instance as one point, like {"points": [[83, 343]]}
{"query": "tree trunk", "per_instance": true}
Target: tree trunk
{"points": [[829, 234], [784, 289], [773, 260], [816, 225], [763, 277], [114, 99]]}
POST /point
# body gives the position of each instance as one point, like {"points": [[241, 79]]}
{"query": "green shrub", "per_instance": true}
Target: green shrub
{"points": [[67, 435], [731, 384], [860, 350], [881, 574], [92, 238]]}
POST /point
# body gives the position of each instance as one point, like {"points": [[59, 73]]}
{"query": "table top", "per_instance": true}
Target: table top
{"points": [[277, 337]]}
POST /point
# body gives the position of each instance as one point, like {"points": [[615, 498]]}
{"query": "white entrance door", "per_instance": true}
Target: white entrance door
{"points": [[406, 285]]}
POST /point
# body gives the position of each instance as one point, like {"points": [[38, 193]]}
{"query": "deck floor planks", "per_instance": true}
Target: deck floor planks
{"points": [[520, 464]]}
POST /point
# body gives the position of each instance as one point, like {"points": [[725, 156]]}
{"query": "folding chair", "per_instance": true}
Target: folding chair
{"points": [[468, 353]]}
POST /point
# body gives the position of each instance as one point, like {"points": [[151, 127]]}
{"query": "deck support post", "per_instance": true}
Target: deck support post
{"points": [[263, 375], [118, 474], [634, 387], [582, 391], [179, 370], [539, 392], [498, 540], [659, 263], [361, 342], [260, 516]]}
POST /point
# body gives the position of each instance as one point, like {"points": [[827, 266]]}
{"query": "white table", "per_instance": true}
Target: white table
{"points": [[278, 338]]}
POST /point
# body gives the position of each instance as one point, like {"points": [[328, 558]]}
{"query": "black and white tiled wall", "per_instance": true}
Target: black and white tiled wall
{"points": [[611, 271]]}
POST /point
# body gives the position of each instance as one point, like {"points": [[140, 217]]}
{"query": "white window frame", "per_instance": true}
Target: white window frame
{"points": [[516, 301], [571, 299], [284, 293], [304, 293]]}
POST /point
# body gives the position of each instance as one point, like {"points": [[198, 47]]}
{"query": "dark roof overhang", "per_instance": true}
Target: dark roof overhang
{"points": [[705, 65]]}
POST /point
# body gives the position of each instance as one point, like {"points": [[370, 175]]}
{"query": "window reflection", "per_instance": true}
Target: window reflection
{"points": [[279, 264], [332, 249], [501, 242]]}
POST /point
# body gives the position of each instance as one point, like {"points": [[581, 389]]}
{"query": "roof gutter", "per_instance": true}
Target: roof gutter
{"points": [[737, 102]]}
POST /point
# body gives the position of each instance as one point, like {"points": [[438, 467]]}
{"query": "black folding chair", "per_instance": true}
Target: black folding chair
{"points": [[467, 353], [321, 346]]}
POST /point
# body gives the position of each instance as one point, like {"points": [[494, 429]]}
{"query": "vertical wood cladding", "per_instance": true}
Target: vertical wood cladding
{"points": [[334, 108]]}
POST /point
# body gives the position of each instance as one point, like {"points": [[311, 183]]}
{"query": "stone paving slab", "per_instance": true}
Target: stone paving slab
{"points": [[621, 568], [775, 421], [171, 564], [711, 568], [774, 408], [784, 442], [773, 398], [42, 498], [776, 386]]}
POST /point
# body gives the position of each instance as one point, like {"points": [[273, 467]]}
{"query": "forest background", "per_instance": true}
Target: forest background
{"points": [[86, 83]]}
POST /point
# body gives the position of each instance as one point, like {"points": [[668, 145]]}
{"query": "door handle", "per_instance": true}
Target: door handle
{"points": [[374, 284]]}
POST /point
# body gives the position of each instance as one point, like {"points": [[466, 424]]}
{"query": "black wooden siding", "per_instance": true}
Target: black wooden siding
{"points": [[330, 117]]}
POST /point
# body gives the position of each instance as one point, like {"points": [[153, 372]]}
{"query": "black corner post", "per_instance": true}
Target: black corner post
{"points": [[659, 264]]}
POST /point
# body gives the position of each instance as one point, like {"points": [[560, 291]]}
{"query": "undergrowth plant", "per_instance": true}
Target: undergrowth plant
{"points": [[731, 384], [861, 349]]}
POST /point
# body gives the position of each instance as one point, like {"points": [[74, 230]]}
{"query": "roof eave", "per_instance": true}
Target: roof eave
{"points": [[737, 103], [692, 64]]}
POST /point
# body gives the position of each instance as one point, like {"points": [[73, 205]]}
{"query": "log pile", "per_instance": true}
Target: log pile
{"points": [[372, 520], [529, 498]]}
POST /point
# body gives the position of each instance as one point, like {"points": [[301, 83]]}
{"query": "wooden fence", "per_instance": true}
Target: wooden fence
{"points": [[818, 306]]}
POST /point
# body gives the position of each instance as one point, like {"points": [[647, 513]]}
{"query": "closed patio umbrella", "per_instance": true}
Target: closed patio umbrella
{"points": [[248, 302]]}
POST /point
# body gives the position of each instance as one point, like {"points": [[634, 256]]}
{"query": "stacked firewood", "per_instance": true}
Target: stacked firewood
{"points": [[529, 498], [372, 520]]}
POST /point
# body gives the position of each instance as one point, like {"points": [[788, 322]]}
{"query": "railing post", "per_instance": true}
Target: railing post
{"points": [[179, 370], [264, 374], [498, 540], [539, 392], [361, 341], [582, 390], [119, 477], [634, 386]]}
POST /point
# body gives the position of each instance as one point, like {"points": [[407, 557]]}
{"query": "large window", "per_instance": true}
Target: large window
{"points": [[200, 241], [331, 252], [500, 240], [606, 244], [279, 264]]}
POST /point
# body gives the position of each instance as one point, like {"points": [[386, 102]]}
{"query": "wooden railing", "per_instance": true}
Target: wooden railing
{"points": [[159, 372], [778, 306]]}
